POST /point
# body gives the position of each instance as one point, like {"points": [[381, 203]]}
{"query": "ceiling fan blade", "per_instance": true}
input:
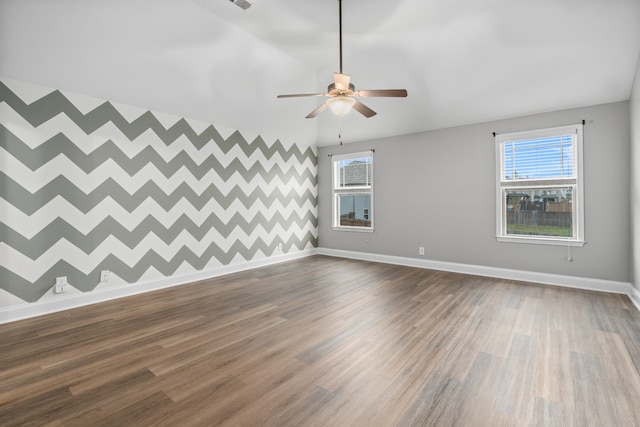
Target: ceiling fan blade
{"points": [[391, 93], [298, 95], [341, 81], [363, 109], [317, 111]]}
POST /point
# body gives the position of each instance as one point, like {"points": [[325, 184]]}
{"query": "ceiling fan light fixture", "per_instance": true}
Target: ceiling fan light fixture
{"points": [[340, 105]]}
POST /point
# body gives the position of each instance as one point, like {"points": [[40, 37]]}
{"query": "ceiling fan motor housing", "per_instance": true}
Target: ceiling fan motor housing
{"points": [[331, 90]]}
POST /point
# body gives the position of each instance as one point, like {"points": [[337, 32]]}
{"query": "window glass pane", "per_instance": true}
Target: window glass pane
{"points": [[354, 172], [539, 211], [354, 210], [539, 158]]}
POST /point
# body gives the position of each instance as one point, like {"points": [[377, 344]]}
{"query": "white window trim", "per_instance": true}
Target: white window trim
{"points": [[365, 190], [578, 194]]}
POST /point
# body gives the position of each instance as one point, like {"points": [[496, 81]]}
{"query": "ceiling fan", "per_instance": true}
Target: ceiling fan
{"points": [[342, 93]]}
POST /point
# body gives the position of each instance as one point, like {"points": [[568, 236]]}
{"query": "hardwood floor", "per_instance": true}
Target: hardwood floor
{"points": [[325, 341]]}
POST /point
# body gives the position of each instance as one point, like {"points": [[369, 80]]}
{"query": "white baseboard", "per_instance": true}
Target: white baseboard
{"points": [[500, 273], [13, 313], [27, 310], [634, 295]]}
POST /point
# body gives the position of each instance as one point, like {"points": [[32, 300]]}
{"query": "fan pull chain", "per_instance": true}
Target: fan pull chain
{"points": [[340, 130]]}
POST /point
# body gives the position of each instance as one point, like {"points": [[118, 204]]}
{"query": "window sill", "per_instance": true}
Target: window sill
{"points": [[541, 241], [356, 229]]}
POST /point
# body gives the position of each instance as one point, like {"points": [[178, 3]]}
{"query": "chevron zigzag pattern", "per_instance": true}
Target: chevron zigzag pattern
{"points": [[82, 192]]}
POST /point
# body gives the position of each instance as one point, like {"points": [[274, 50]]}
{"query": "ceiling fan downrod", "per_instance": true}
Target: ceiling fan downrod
{"points": [[340, 30]]}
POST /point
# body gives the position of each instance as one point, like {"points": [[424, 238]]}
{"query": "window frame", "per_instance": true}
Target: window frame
{"points": [[337, 191], [575, 183]]}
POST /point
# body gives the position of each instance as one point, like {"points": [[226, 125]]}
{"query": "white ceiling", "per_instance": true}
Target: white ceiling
{"points": [[462, 61]]}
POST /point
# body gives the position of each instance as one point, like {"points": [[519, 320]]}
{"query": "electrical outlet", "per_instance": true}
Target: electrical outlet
{"points": [[421, 250], [61, 285], [105, 275]]}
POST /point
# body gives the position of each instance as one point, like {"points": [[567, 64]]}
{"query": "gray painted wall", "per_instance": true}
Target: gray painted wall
{"points": [[445, 183], [635, 180]]}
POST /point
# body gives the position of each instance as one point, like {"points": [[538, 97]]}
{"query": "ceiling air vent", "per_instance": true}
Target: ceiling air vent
{"points": [[244, 4]]}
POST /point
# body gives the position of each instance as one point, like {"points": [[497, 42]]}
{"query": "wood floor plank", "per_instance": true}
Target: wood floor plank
{"points": [[35, 407], [103, 399], [553, 367], [551, 414], [516, 394], [435, 404], [479, 393], [324, 341], [592, 397], [616, 364]]}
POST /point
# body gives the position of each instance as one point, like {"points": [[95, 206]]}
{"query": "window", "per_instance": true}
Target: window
{"points": [[353, 191], [539, 186]]}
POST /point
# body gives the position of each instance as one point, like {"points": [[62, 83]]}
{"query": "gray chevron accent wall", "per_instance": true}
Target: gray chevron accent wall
{"points": [[88, 185]]}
